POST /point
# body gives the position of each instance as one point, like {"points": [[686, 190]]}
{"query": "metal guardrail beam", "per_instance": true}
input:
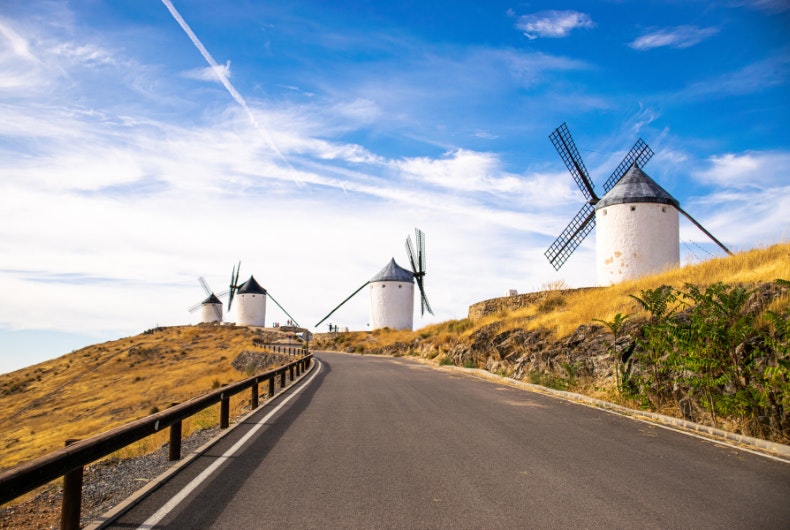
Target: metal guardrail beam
{"points": [[30, 475]]}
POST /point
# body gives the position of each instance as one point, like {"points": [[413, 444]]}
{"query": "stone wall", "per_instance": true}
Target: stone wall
{"points": [[511, 303]]}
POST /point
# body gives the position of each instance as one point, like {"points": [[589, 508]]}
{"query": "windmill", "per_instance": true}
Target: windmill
{"points": [[251, 305], [211, 307], [392, 290], [637, 218]]}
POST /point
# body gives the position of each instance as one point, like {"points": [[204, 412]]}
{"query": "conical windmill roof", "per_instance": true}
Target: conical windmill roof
{"points": [[212, 299], [634, 187], [251, 287], [393, 273]]}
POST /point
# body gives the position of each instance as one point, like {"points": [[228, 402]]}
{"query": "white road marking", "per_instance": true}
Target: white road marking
{"points": [[170, 505]]}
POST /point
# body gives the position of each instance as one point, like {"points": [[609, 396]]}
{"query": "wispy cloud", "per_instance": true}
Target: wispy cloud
{"points": [[768, 6], [554, 24], [210, 73], [675, 37], [746, 170], [751, 79]]}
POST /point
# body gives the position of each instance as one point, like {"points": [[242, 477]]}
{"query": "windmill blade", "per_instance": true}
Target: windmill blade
{"points": [[411, 252], [283, 309], [203, 283], [566, 147], [195, 307], [570, 238], [424, 305], [639, 153], [725, 249], [420, 236], [217, 311], [341, 303], [234, 284]]}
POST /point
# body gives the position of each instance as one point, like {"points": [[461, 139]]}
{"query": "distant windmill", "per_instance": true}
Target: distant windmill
{"points": [[251, 304], [637, 219], [392, 290], [211, 307]]}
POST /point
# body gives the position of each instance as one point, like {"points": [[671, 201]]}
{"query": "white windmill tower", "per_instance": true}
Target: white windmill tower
{"points": [[392, 290], [638, 231], [392, 298], [211, 307], [251, 304], [638, 221]]}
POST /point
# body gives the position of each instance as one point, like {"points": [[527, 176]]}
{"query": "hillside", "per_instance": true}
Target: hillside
{"points": [[101, 386], [730, 369]]}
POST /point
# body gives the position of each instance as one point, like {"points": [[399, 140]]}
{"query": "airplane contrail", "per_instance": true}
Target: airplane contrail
{"points": [[217, 69]]}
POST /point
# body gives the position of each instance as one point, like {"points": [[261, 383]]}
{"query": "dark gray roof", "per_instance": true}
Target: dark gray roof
{"points": [[393, 273], [212, 300], [634, 187], [251, 287]]}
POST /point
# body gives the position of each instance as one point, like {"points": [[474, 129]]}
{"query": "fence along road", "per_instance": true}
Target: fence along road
{"points": [[389, 443]]}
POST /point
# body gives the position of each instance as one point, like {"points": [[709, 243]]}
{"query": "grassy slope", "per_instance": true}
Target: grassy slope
{"points": [[105, 385], [564, 311]]}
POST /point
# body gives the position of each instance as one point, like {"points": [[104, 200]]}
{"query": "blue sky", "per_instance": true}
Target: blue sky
{"points": [[144, 144]]}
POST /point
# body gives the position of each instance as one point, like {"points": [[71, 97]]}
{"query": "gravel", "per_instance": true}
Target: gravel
{"points": [[105, 485]]}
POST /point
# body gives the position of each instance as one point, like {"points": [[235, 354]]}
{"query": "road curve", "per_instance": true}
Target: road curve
{"points": [[375, 442]]}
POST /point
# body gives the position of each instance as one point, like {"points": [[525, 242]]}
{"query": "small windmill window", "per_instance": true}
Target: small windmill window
{"points": [[633, 208], [664, 209]]}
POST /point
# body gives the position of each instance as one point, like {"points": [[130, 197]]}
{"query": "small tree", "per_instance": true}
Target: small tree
{"points": [[616, 326]]}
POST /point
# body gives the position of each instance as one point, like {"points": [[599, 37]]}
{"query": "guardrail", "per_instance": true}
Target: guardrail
{"points": [[70, 461], [293, 348]]}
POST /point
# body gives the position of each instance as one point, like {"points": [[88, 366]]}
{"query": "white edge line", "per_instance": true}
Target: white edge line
{"points": [[179, 497]]}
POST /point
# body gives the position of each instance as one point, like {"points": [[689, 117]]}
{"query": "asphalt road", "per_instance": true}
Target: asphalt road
{"points": [[375, 442]]}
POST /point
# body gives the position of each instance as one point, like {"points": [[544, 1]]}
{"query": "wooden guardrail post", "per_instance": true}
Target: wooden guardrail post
{"points": [[254, 397], [291, 372], [271, 386], [224, 412], [174, 448], [71, 505], [282, 378]]}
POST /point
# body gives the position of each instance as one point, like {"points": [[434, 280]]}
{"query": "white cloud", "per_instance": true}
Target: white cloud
{"points": [[553, 23], [14, 42], [675, 37], [746, 170]]}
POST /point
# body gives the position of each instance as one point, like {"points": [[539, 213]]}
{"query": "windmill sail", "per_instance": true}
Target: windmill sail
{"points": [[234, 284], [570, 238], [639, 153], [417, 261], [566, 148], [584, 221]]}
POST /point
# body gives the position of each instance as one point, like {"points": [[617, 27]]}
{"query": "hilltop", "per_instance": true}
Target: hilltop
{"points": [[96, 388], [708, 342]]}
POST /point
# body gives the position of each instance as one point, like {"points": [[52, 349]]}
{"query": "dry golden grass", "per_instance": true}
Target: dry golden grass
{"points": [[563, 312], [581, 307], [105, 385]]}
